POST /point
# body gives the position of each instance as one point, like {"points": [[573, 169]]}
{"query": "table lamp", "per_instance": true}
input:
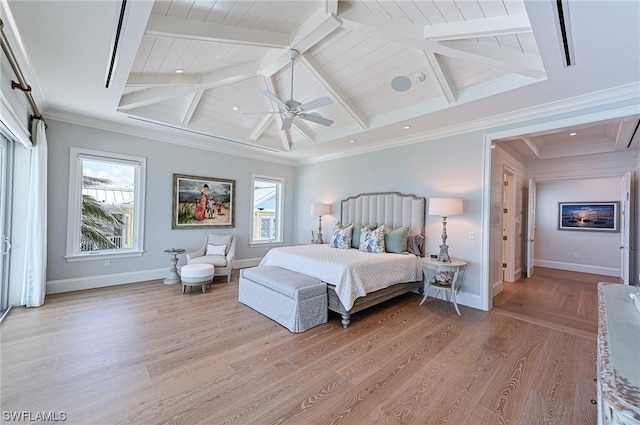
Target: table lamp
{"points": [[320, 210], [445, 207]]}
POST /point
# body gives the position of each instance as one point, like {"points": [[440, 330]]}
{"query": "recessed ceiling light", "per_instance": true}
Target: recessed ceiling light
{"points": [[407, 127], [352, 141], [572, 134], [179, 71], [235, 107]]}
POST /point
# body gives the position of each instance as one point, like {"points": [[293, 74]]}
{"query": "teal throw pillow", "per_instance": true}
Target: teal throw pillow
{"points": [[395, 241]]}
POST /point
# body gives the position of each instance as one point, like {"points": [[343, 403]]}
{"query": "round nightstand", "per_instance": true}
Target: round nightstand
{"points": [[443, 276]]}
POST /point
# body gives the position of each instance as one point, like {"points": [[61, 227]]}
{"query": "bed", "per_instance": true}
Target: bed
{"points": [[357, 280]]}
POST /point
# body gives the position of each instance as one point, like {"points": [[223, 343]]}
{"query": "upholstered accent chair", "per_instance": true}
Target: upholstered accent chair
{"points": [[217, 250]]}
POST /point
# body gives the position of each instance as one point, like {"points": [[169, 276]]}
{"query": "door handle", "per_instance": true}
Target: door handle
{"points": [[7, 245]]}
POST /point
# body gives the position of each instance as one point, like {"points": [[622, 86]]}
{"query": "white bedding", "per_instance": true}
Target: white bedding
{"points": [[354, 273]]}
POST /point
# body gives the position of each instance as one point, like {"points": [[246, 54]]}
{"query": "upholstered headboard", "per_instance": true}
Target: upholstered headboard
{"points": [[392, 209]]}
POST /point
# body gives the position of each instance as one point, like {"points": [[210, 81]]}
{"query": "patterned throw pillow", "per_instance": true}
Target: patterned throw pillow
{"points": [[341, 237], [355, 237], [372, 240]]}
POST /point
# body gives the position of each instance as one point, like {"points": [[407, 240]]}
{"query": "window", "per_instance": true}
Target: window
{"points": [[106, 205], [266, 201]]}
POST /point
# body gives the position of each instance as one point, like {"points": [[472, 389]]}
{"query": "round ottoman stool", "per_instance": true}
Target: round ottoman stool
{"points": [[196, 274]]}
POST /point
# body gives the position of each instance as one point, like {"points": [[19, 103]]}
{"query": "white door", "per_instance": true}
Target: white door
{"points": [[4, 238], [508, 227], [531, 227], [625, 222]]}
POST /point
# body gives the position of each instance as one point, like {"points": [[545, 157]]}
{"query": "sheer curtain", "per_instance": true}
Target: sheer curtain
{"points": [[35, 274]]}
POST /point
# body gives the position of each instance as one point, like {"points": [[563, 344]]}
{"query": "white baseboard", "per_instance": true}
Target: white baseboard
{"points": [[101, 281], [496, 288], [582, 268], [463, 298], [250, 262]]}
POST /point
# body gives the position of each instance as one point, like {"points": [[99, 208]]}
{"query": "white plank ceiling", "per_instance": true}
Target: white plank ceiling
{"points": [[470, 63], [228, 52]]}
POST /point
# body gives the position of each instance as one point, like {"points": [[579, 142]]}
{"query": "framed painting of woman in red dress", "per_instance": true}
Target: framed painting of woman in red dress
{"points": [[202, 202]]}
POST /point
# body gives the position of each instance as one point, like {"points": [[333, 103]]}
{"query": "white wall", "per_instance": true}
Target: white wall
{"points": [[447, 167], [163, 160], [597, 252]]}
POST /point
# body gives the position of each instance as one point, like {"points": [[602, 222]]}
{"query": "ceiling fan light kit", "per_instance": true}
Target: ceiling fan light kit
{"points": [[291, 108]]}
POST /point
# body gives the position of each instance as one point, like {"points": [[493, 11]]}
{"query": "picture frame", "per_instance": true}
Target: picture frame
{"points": [[203, 202], [589, 216]]}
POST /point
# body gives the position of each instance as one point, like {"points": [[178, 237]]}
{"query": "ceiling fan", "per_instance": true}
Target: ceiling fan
{"points": [[292, 108]]}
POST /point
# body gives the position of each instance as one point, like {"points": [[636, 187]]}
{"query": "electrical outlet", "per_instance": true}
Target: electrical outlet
{"points": [[107, 263], [575, 255], [472, 235]]}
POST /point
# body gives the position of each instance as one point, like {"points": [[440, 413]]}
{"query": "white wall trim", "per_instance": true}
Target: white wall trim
{"points": [[489, 138], [496, 288], [11, 123], [463, 298], [249, 262], [590, 100], [101, 281], [183, 139], [582, 268]]}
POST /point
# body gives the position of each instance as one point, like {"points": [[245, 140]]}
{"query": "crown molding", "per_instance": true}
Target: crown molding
{"points": [[193, 140], [571, 105]]}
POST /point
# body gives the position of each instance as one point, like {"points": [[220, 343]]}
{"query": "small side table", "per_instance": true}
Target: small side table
{"points": [[173, 277], [432, 267]]}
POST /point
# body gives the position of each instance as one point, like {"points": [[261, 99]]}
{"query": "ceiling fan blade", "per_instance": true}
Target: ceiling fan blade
{"points": [[318, 103], [275, 99], [316, 118], [286, 124], [261, 112]]}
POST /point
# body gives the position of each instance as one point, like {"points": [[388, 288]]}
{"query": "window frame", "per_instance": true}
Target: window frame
{"points": [[279, 213], [74, 214]]}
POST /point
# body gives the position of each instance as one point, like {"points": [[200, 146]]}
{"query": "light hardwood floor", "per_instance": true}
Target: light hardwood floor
{"points": [[145, 354]]}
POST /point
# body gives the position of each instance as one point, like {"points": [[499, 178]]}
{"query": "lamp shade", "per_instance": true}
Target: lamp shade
{"points": [[445, 207], [320, 209]]}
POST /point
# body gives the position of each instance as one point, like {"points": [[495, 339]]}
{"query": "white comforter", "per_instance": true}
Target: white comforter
{"points": [[354, 273]]}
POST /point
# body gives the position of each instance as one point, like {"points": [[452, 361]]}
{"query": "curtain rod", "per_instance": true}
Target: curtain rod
{"points": [[21, 84]]}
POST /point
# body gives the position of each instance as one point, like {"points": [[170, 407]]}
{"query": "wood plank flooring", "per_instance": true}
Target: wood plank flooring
{"points": [[145, 354]]}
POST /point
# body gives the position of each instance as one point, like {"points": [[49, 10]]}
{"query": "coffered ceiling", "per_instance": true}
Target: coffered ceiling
{"points": [[193, 71]]}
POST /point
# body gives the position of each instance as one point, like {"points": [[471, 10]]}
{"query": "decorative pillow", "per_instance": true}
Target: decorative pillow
{"points": [[341, 237], [396, 240], [357, 227], [216, 249], [414, 244], [372, 240]]}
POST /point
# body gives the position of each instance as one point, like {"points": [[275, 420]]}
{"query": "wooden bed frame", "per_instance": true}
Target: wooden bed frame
{"points": [[392, 209]]}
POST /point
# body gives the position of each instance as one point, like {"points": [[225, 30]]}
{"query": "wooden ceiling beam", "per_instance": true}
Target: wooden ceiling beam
{"points": [[261, 127], [315, 29], [304, 129], [168, 26], [357, 18], [193, 105], [286, 145], [517, 23], [444, 79], [336, 92], [163, 93]]}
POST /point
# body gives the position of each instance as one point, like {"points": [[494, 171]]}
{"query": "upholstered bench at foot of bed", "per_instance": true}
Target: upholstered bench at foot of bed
{"points": [[296, 301]]}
